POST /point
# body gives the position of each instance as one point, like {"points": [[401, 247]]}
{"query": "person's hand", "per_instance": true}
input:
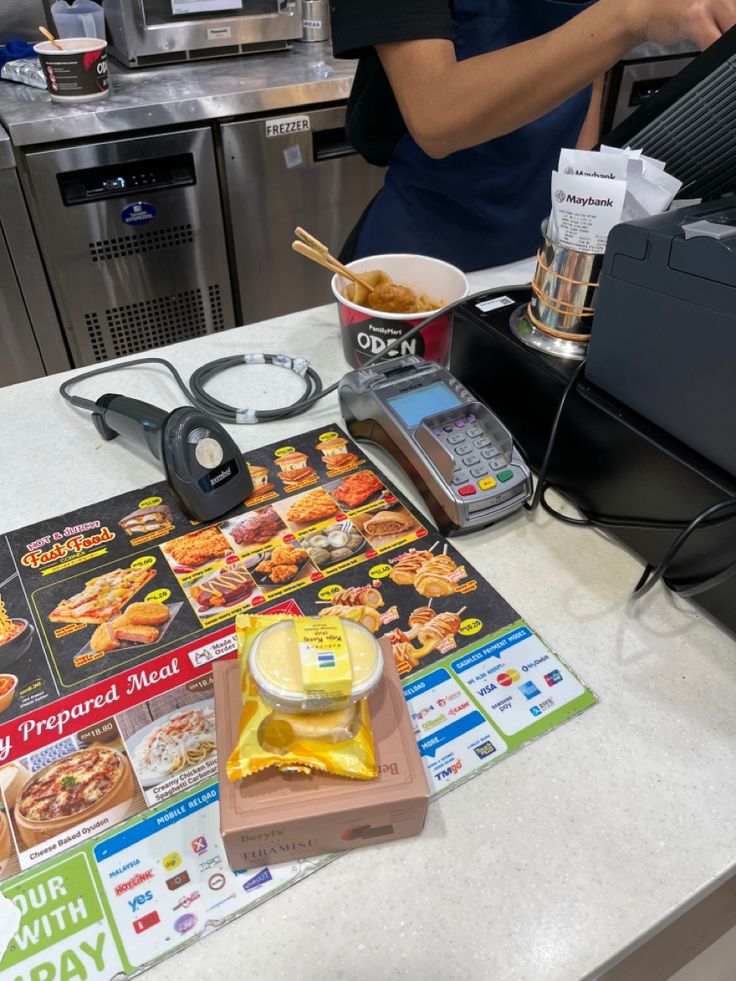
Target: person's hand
{"points": [[668, 21]]}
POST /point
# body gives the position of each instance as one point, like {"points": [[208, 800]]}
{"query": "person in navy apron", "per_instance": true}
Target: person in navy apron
{"points": [[482, 204]]}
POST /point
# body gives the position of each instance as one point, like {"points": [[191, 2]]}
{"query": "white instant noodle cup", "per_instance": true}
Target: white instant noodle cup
{"points": [[77, 73]]}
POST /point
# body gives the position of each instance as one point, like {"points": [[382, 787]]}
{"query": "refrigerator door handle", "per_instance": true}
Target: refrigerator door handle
{"points": [[331, 144]]}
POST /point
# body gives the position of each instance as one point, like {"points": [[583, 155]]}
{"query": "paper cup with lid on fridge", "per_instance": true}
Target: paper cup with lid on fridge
{"points": [[77, 72], [367, 332]]}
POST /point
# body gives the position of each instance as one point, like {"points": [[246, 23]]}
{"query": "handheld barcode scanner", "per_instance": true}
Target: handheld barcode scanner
{"points": [[203, 465]]}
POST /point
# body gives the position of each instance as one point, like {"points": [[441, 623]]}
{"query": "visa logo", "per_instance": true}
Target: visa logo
{"points": [[486, 690]]}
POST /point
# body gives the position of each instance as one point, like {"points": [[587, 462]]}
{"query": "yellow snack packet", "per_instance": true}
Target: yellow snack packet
{"points": [[301, 680]]}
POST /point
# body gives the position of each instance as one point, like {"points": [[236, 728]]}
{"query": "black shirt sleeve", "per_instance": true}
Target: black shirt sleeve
{"points": [[374, 122], [358, 25]]}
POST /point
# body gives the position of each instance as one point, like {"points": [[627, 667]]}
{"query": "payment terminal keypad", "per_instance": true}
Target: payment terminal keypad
{"points": [[479, 463]]}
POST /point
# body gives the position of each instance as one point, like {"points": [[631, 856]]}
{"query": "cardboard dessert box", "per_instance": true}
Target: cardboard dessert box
{"points": [[273, 816]]}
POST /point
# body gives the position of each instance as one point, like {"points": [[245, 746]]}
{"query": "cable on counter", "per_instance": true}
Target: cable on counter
{"points": [[198, 395]]}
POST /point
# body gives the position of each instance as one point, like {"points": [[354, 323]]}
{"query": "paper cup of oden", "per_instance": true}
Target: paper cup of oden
{"points": [[78, 73], [367, 332]]}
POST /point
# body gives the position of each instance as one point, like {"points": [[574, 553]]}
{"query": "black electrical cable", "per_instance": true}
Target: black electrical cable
{"points": [[197, 394], [542, 472], [606, 522], [221, 411], [652, 574], [314, 391]]}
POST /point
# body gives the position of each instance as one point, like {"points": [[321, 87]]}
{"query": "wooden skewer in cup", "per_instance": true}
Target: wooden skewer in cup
{"points": [[318, 246], [326, 260], [304, 235], [50, 37]]}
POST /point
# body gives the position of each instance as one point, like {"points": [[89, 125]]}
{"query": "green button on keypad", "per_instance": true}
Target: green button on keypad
{"points": [[504, 475]]}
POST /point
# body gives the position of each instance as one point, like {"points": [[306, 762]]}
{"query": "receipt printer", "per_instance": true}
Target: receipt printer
{"points": [[663, 340]]}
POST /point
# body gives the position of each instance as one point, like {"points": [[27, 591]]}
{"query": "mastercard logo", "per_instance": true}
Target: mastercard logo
{"points": [[507, 678]]}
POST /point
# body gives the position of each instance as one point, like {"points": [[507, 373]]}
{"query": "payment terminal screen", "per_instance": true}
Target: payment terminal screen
{"points": [[414, 406]]}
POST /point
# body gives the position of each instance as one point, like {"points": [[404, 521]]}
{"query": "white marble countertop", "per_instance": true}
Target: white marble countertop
{"points": [[552, 864]]}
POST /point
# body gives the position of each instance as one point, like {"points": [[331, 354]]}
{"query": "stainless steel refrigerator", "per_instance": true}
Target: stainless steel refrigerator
{"points": [[283, 171], [133, 239]]}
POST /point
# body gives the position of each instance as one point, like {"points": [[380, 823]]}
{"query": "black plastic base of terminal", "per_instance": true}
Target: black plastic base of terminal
{"points": [[608, 461]]}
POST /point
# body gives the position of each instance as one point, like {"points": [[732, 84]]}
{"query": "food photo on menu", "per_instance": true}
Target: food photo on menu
{"points": [[199, 548], [171, 739], [91, 624], [336, 455], [9, 864], [149, 522], [102, 597], [286, 563], [387, 526], [16, 637], [361, 604], [222, 590], [357, 490], [79, 784], [140, 625], [294, 470], [333, 544], [313, 507], [263, 486], [254, 529]]}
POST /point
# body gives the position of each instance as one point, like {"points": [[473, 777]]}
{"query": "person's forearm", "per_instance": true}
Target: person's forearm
{"points": [[591, 129], [449, 105]]}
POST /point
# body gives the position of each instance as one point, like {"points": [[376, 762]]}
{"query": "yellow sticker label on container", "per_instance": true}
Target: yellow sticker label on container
{"points": [[282, 451], [151, 502], [325, 436], [380, 571], [144, 562], [327, 671]]}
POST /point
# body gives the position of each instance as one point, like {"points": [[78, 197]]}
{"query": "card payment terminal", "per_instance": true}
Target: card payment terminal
{"points": [[460, 457]]}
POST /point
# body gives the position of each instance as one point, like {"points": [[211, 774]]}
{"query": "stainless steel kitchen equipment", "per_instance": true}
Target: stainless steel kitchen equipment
{"points": [[284, 171], [30, 334], [315, 20], [132, 236], [19, 19], [157, 32]]}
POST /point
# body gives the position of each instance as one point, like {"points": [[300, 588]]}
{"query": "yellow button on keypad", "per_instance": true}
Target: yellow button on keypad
{"points": [[486, 483]]}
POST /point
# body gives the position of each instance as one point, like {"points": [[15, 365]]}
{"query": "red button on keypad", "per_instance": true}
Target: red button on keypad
{"points": [[466, 491]]}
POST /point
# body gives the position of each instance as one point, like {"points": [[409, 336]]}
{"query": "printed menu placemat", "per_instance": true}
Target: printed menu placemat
{"points": [[110, 619]]}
